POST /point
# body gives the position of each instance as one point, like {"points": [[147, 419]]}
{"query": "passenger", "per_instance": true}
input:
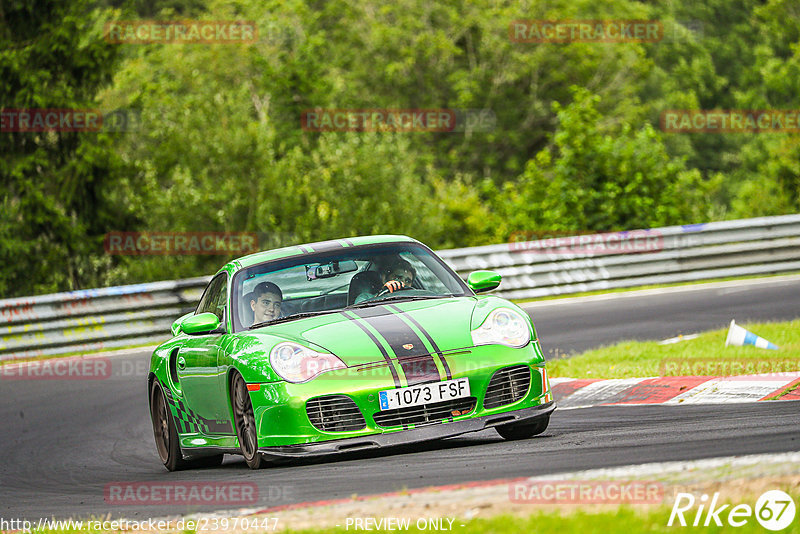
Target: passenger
{"points": [[266, 302]]}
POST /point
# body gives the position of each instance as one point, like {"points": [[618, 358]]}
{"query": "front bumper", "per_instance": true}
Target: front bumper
{"points": [[415, 435], [283, 424]]}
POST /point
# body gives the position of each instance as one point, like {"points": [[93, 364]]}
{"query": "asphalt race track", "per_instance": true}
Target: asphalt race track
{"points": [[63, 441]]}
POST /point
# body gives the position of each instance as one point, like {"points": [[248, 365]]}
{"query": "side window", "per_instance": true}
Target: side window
{"points": [[215, 297], [222, 299]]}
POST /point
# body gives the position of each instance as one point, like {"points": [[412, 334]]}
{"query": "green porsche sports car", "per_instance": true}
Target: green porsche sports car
{"points": [[343, 345]]}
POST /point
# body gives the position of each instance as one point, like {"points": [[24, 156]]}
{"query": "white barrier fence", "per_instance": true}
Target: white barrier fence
{"points": [[142, 313]]}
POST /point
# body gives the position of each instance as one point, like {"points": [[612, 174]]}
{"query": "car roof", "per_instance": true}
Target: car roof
{"points": [[313, 248]]}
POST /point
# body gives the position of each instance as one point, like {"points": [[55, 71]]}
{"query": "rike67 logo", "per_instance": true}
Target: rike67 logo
{"points": [[774, 510]]}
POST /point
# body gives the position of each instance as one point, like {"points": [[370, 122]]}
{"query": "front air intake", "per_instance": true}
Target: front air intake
{"points": [[507, 386], [335, 413]]}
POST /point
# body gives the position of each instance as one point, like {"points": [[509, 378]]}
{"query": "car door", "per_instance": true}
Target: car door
{"points": [[202, 380]]}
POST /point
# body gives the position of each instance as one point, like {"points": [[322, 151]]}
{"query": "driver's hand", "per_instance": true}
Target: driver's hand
{"points": [[393, 285]]}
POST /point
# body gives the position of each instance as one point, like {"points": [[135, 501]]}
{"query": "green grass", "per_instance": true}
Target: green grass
{"points": [[708, 352]]}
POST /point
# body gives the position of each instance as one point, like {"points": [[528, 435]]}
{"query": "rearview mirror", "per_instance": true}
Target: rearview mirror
{"points": [[202, 323], [326, 270], [480, 281]]}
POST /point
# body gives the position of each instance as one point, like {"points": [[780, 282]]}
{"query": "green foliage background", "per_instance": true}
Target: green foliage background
{"points": [[576, 144]]}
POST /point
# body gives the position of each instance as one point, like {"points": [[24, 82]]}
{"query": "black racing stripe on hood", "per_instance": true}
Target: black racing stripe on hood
{"points": [[375, 340], [417, 364], [427, 336]]}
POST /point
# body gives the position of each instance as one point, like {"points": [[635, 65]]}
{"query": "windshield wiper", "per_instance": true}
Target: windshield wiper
{"points": [[369, 303], [366, 304], [292, 317]]}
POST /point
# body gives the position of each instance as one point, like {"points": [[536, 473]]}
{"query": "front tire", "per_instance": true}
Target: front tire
{"points": [[524, 431], [245, 423]]}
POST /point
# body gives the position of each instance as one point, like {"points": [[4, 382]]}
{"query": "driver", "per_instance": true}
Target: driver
{"points": [[266, 302], [396, 276]]}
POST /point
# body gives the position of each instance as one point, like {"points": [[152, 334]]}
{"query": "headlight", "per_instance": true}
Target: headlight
{"points": [[296, 363], [502, 326]]}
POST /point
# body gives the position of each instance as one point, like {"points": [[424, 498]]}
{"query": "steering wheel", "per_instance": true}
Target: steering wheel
{"points": [[386, 290]]}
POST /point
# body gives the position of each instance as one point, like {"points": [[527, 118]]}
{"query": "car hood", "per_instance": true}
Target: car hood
{"points": [[438, 324], [365, 335]]}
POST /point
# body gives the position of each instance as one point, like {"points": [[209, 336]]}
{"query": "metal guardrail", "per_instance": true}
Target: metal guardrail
{"points": [[764, 245], [139, 314], [95, 318]]}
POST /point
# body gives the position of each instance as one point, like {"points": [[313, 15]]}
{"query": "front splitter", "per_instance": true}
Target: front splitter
{"points": [[428, 432]]}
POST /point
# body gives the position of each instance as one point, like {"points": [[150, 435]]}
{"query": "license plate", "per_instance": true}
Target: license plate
{"points": [[424, 394]]}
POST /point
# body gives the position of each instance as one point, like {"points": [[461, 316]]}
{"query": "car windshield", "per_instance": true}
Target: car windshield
{"points": [[326, 282]]}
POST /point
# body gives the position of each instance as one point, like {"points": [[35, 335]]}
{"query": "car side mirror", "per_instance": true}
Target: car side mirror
{"points": [[202, 323], [176, 325], [480, 281]]}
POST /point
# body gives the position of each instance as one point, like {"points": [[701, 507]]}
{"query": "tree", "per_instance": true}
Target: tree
{"points": [[600, 177], [55, 206]]}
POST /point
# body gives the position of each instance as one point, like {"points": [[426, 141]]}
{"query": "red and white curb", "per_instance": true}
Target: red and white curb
{"points": [[582, 393]]}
